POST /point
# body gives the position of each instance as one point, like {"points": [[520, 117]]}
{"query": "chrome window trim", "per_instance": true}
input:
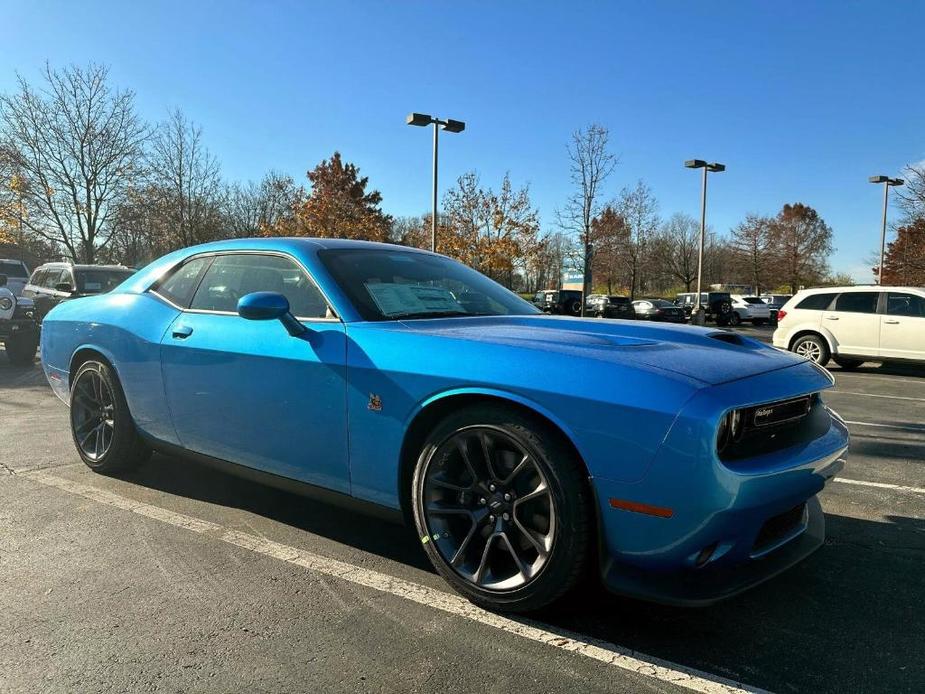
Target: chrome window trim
{"points": [[207, 254]]}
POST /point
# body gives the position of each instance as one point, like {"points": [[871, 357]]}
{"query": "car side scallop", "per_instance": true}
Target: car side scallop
{"points": [[640, 403]]}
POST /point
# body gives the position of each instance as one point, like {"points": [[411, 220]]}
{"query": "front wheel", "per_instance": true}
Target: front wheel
{"points": [[101, 424], [21, 348], [813, 347], [503, 509]]}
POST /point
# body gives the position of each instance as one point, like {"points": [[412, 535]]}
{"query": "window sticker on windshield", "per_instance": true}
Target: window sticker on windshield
{"points": [[398, 299]]}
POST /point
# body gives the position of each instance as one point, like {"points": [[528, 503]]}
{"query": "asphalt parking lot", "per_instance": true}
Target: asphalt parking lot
{"points": [[179, 578]]}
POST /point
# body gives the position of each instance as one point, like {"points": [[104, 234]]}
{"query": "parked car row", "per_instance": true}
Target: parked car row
{"points": [[720, 307], [25, 300]]}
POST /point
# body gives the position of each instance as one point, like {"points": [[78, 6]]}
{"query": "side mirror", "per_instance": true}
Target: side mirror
{"points": [[64, 287], [269, 306]]}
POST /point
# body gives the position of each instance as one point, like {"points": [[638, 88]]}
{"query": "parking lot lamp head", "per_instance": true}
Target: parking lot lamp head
{"points": [[451, 126]]}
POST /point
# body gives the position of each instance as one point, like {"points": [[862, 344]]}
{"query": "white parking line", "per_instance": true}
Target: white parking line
{"points": [[882, 485], [875, 395], [898, 427], [605, 652]]}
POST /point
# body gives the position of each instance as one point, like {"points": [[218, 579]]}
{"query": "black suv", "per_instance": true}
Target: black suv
{"points": [[53, 283], [562, 301], [716, 305], [603, 306]]}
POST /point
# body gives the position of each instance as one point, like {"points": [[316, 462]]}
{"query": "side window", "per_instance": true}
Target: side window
{"points": [[232, 276], [905, 305], [817, 302], [178, 287], [857, 302], [37, 277]]}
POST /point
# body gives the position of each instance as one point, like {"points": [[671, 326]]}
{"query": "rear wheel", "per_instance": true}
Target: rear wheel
{"points": [[813, 347], [101, 424], [503, 509], [21, 348], [847, 363], [734, 319]]}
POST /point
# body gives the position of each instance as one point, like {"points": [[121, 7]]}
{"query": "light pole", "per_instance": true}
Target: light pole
{"points": [[450, 125], [697, 317], [887, 184]]}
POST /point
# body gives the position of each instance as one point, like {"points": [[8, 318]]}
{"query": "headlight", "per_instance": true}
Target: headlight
{"points": [[6, 303], [730, 429]]}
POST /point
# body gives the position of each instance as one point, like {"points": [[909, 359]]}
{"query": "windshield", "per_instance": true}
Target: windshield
{"points": [[99, 281], [12, 268], [752, 300], [661, 303], [393, 285]]}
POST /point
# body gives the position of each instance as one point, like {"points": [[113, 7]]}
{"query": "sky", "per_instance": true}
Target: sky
{"points": [[801, 101]]}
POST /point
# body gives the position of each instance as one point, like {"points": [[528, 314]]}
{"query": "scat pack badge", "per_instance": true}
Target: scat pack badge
{"points": [[375, 403]]}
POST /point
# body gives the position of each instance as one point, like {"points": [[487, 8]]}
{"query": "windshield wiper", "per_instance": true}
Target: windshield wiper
{"points": [[436, 314]]}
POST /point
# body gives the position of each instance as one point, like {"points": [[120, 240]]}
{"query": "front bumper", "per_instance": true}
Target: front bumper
{"points": [[16, 327], [699, 588], [694, 529]]}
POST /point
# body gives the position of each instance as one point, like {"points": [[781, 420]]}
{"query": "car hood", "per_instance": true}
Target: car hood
{"points": [[706, 355]]}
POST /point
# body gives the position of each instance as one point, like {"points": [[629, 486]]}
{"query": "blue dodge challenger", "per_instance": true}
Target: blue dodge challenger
{"points": [[682, 463]]}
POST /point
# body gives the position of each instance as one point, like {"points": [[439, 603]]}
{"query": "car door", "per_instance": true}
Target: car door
{"points": [[248, 392], [902, 332], [45, 297], [854, 322]]}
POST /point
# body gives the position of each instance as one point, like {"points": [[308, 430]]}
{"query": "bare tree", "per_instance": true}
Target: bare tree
{"points": [[639, 210], [754, 255], [591, 162], [675, 249], [254, 208], [912, 194], [186, 178], [75, 144]]}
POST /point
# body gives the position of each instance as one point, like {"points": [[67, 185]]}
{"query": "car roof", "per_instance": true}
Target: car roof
{"points": [[860, 288], [81, 266]]}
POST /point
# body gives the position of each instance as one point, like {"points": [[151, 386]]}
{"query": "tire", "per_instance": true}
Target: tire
{"points": [[98, 405], [470, 529], [813, 347], [21, 349], [575, 308], [734, 319], [847, 363]]}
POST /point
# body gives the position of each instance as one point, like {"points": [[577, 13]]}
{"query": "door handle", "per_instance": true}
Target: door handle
{"points": [[831, 317], [891, 322], [181, 332]]}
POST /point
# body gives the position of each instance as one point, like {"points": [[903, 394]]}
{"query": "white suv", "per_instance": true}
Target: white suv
{"points": [[854, 324], [750, 309]]}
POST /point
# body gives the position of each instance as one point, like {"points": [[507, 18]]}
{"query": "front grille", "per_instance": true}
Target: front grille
{"points": [[777, 425], [778, 412], [778, 529]]}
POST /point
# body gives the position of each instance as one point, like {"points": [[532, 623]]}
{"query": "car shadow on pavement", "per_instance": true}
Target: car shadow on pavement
{"points": [[186, 478], [849, 618]]}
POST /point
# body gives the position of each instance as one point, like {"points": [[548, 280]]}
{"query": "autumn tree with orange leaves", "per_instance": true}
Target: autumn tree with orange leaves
{"points": [[904, 260], [494, 232], [338, 206]]}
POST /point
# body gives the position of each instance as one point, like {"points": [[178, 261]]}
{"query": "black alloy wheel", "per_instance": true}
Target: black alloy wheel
{"points": [[502, 509], [101, 424], [92, 415]]}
